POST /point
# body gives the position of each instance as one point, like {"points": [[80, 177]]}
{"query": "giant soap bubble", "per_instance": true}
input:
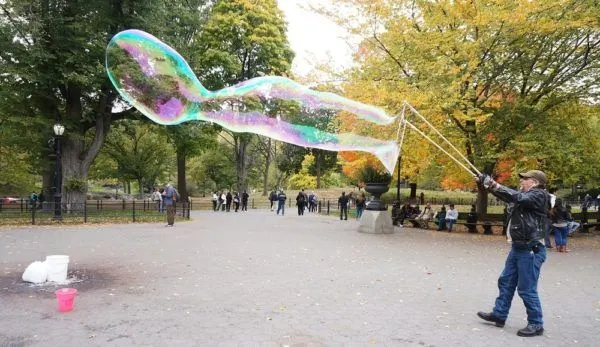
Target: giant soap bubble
{"points": [[158, 82]]}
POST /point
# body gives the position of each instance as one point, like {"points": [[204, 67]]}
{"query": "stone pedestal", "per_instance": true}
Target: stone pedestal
{"points": [[376, 222]]}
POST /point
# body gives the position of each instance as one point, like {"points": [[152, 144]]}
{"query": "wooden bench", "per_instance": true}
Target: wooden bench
{"points": [[427, 224], [585, 227], [484, 225], [420, 223]]}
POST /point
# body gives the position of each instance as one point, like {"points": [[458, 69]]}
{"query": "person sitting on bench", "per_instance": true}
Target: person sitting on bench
{"points": [[423, 219], [471, 223]]}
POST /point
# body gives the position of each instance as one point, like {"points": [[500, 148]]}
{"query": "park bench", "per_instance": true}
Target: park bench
{"points": [[585, 227], [485, 226], [420, 223]]}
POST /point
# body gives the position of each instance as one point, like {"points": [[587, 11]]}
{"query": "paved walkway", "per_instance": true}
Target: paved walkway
{"points": [[256, 279]]}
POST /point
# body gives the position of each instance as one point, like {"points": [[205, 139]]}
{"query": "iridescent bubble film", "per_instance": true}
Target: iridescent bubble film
{"points": [[158, 82]]}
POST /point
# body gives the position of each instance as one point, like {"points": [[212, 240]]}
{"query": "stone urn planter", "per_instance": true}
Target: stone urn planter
{"points": [[376, 189]]}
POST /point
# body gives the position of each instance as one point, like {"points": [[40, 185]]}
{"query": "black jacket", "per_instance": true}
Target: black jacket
{"points": [[529, 215]]}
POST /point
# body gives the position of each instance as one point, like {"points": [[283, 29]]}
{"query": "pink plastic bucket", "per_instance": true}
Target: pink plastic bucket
{"points": [[65, 297]]}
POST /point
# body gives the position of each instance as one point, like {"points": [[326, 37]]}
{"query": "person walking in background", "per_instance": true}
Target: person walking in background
{"points": [[305, 205], [273, 198], [157, 198], [215, 200], [361, 202], [560, 218], [311, 202], [33, 199], [281, 202], [228, 200], [245, 197], [451, 217], [236, 201], [300, 201], [526, 223], [169, 201], [162, 202], [343, 203], [223, 200]]}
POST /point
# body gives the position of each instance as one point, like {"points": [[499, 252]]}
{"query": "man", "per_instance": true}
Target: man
{"points": [[451, 217], [343, 202], [472, 218], [425, 216], [311, 202], [281, 202], [169, 202], [273, 198], [228, 200], [527, 220], [33, 199], [245, 197], [214, 199], [157, 198], [300, 202]]}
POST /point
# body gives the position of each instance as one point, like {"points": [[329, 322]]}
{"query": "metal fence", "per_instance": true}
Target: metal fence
{"points": [[95, 211], [106, 211]]}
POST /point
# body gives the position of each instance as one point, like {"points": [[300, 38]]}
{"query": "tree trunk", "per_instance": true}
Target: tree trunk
{"points": [[482, 201], [280, 178], [181, 184], [241, 144], [267, 165], [73, 169], [76, 157]]}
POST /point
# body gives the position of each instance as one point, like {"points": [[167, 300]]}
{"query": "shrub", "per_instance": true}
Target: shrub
{"points": [[371, 174]]}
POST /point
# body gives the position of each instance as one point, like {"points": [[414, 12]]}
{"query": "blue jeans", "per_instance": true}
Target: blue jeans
{"points": [[359, 211], [450, 223], [561, 235], [572, 226], [521, 272], [281, 207]]}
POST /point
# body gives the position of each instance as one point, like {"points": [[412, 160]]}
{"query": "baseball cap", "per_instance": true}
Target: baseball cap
{"points": [[535, 174]]}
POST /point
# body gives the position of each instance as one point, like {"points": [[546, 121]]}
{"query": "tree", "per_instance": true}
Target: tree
{"points": [[303, 179], [289, 161], [189, 140], [52, 54], [489, 72], [242, 39], [17, 177], [140, 154], [215, 166]]}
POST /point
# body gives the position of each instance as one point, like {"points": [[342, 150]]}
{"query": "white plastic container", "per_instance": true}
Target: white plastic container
{"points": [[58, 265], [36, 272]]}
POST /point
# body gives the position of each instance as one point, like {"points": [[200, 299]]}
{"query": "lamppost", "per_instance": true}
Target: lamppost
{"points": [[59, 129]]}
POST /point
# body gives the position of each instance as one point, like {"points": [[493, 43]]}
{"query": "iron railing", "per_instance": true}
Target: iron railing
{"points": [[95, 211]]}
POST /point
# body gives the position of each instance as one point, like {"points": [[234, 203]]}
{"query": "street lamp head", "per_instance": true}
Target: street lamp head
{"points": [[59, 129]]}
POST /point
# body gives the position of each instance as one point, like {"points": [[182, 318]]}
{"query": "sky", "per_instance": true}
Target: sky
{"points": [[314, 38]]}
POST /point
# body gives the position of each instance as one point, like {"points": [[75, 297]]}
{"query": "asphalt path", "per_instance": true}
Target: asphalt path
{"points": [[258, 279]]}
